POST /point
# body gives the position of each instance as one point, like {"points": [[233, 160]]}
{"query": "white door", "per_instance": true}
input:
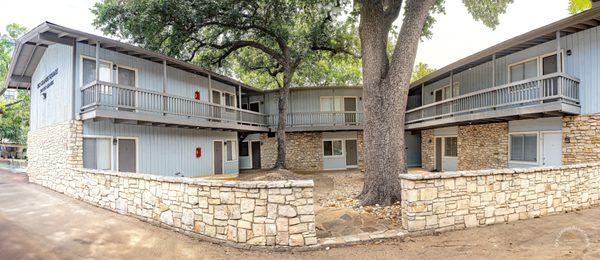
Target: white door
{"points": [[552, 149]]}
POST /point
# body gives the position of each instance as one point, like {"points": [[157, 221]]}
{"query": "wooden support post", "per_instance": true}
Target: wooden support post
{"points": [[98, 61], [558, 58], [210, 89], [240, 96], [164, 86], [493, 70]]}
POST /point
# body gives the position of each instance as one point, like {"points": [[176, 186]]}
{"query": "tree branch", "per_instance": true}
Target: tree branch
{"points": [[392, 11]]}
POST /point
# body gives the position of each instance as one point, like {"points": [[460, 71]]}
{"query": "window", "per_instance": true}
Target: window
{"points": [[446, 92], [523, 147], [456, 89], [524, 70], [244, 151], [330, 104], [229, 99], [89, 71], [126, 77], [230, 147], [450, 146], [333, 148], [97, 153]]}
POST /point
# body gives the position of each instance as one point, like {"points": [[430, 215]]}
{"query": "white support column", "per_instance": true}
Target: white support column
{"points": [[164, 83], [558, 60], [240, 96], [209, 89], [451, 83], [494, 70], [98, 61]]}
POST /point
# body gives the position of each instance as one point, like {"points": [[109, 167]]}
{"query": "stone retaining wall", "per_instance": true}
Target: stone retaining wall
{"points": [[253, 213], [456, 200]]}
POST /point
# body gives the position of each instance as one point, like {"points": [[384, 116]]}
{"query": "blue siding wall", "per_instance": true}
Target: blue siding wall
{"points": [[56, 107], [165, 150], [179, 82], [310, 100], [583, 63]]}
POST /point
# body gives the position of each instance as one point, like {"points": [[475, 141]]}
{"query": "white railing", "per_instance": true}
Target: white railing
{"points": [[105, 95], [304, 119], [557, 86]]}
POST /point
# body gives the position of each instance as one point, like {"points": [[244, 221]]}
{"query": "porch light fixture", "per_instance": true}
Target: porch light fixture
{"points": [[569, 52], [115, 141], [567, 140]]}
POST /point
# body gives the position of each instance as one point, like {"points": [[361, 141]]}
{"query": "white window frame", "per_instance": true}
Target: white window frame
{"points": [[332, 103], [234, 151], [249, 152], [443, 90], [444, 146], [111, 140], [221, 94], [539, 61], [82, 57], [332, 154], [537, 134], [137, 151], [135, 70], [258, 102]]}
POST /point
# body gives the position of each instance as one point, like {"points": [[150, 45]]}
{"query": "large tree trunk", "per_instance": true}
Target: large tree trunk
{"points": [[385, 95], [284, 92]]}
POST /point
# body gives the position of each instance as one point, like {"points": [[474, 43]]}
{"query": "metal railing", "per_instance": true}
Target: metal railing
{"points": [[304, 119], [552, 87], [105, 95]]}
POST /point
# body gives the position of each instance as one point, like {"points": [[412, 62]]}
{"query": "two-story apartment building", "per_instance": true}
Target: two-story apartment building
{"points": [[515, 104]]}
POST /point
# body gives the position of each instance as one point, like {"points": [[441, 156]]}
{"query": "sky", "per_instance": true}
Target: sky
{"points": [[455, 34]]}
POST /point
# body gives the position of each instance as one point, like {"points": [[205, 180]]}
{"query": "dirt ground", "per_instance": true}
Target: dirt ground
{"points": [[37, 223]]}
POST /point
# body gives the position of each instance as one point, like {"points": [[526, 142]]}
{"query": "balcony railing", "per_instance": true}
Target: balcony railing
{"points": [[552, 87], [105, 95], [312, 119]]}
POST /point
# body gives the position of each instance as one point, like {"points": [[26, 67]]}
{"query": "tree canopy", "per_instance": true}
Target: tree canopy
{"points": [[421, 70], [14, 114], [576, 6], [245, 39]]}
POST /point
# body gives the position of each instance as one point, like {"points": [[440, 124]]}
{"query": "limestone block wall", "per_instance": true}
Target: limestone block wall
{"points": [[278, 213], [304, 151], [457, 200], [483, 146], [427, 150], [583, 135]]}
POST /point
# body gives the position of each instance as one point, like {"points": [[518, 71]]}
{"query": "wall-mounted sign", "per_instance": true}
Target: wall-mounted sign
{"points": [[47, 82]]}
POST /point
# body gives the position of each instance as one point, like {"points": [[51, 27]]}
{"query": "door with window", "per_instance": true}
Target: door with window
{"points": [[255, 148], [105, 92], [350, 109], [351, 153], [127, 97], [438, 154], [216, 99], [550, 66]]}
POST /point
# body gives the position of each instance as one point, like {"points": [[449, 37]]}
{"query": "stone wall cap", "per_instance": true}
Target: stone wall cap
{"points": [[489, 172], [205, 182]]}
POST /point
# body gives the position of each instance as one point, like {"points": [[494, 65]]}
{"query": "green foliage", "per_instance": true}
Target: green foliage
{"points": [[255, 41], [487, 11], [421, 70], [14, 121], [576, 6], [14, 114]]}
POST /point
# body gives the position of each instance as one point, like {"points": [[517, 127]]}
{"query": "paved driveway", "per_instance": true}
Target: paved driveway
{"points": [[37, 223]]}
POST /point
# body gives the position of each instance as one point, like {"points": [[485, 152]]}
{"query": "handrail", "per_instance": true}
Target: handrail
{"points": [[507, 85], [103, 95], [556, 86], [98, 82]]}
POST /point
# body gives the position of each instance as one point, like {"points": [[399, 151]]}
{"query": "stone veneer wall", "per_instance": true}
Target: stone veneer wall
{"points": [[483, 146], [583, 133], [304, 151], [277, 213], [456, 200], [427, 150]]}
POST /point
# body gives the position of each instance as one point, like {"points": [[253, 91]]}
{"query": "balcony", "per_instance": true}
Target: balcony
{"points": [[550, 95], [109, 100], [319, 121]]}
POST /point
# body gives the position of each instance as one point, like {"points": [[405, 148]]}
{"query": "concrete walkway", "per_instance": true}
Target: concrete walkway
{"points": [[37, 223]]}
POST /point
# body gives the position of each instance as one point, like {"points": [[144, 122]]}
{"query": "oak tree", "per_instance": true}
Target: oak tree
{"points": [[271, 38]]}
